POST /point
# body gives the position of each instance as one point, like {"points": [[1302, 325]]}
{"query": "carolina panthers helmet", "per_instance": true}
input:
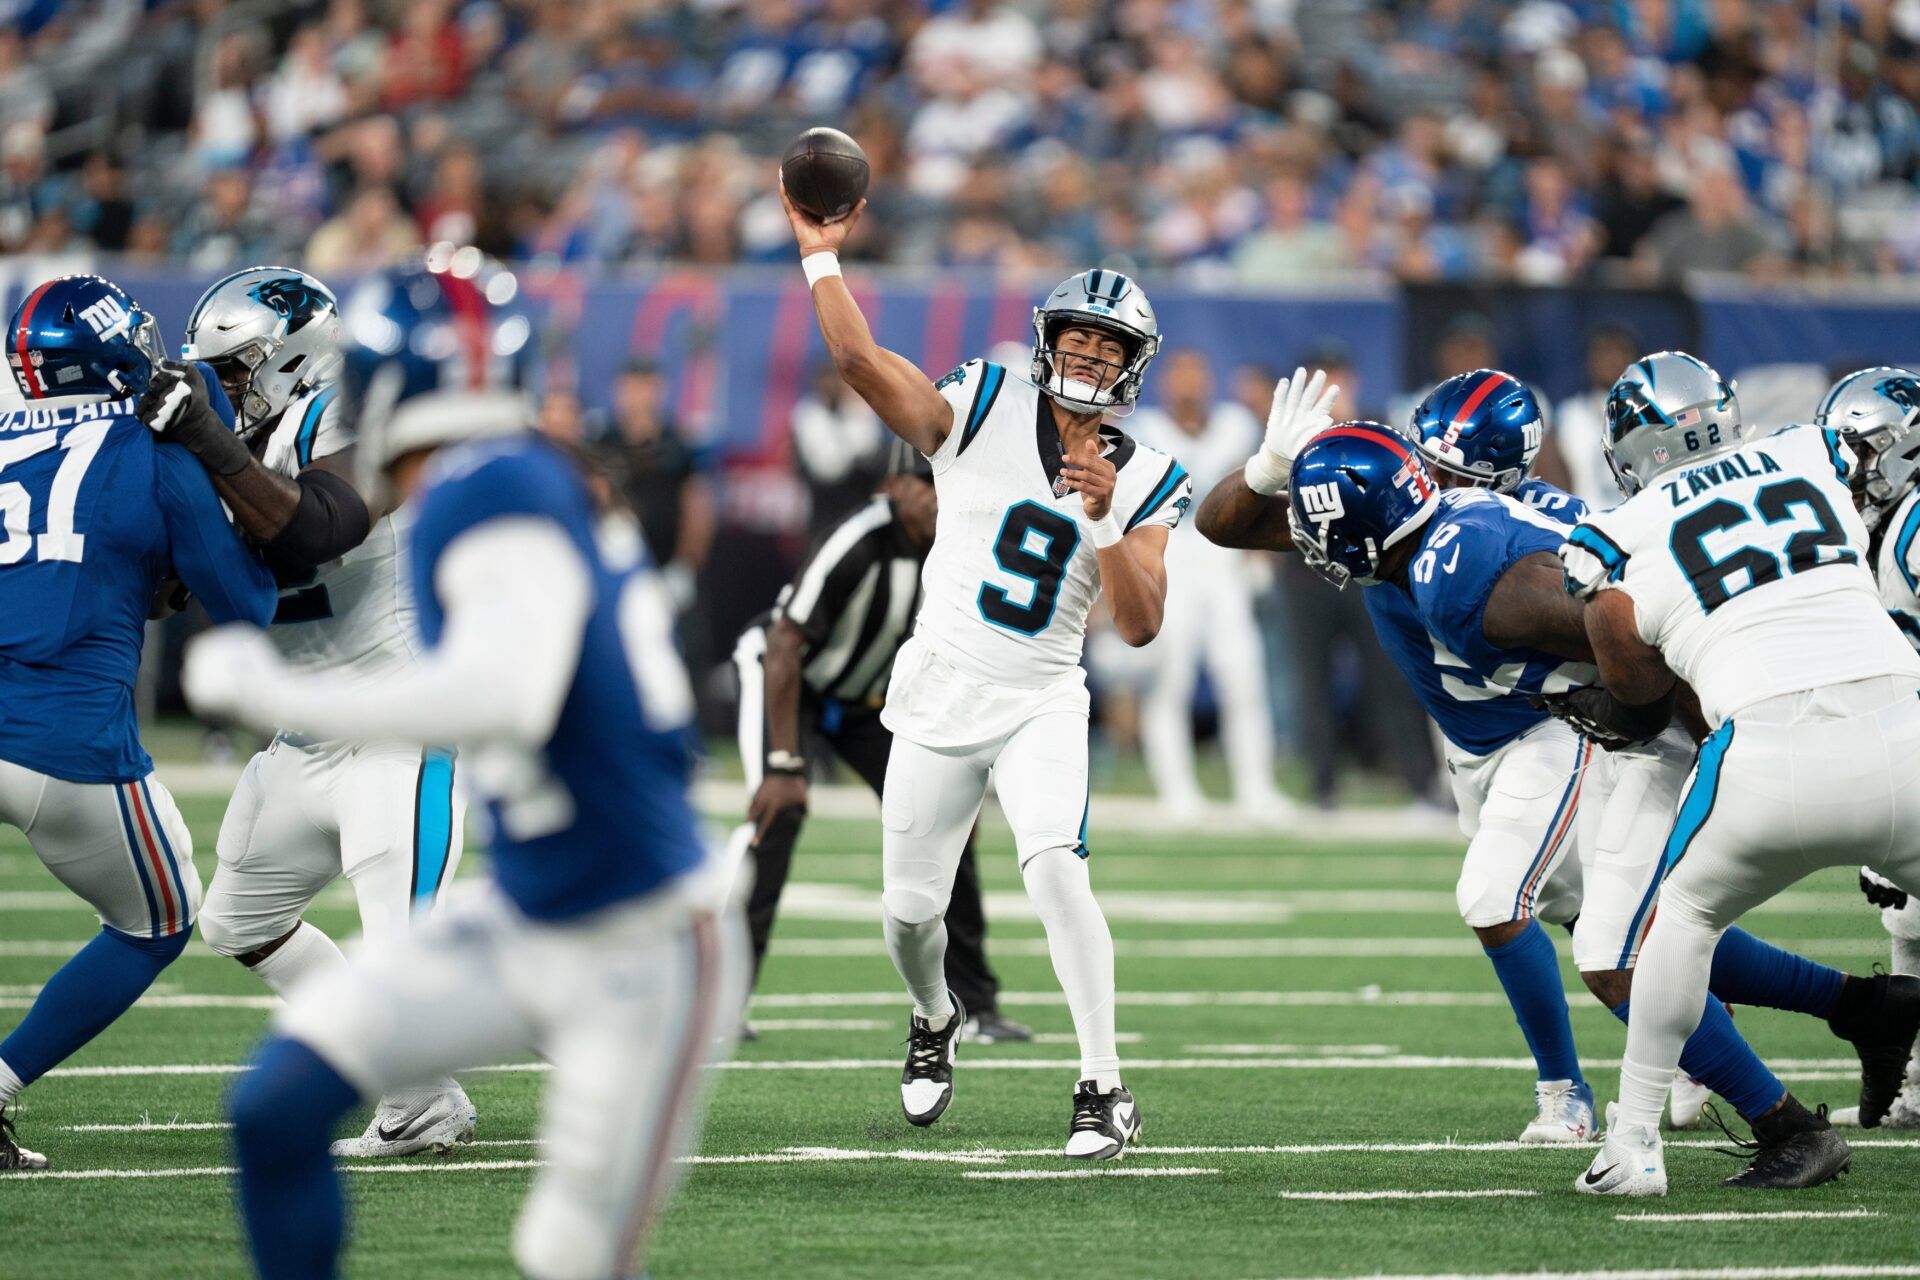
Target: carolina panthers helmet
{"points": [[432, 354], [270, 333], [1096, 299], [1876, 410], [1483, 427], [1357, 490], [82, 335], [1668, 410]]}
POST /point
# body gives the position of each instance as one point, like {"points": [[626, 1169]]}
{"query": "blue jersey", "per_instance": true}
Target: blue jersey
{"points": [[1432, 627], [97, 515], [599, 813]]}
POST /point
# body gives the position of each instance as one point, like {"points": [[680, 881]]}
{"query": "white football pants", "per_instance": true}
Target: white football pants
{"points": [[387, 816], [626, 1005], [122, 847], [1518, 807], [1787, 787]]}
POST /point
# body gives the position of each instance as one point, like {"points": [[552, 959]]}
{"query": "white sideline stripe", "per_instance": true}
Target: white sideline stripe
{"points": [[1323, 1049], [149, 1126], [1775, 1215], [1831, 1271], [820, 1024], [1838, 1068], [1488, 1193], [1577, 1000], [1021, 1175]]}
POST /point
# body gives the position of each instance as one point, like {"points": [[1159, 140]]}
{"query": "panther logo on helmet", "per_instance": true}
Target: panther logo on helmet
{"points": [[293, 299]]}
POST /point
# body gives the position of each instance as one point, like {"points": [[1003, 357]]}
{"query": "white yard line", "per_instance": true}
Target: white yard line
{"points": [[1776, 1215], [1122, 1171], [1577, 1000], [1488, 1193], [1815, 1068], [1831, 1271]]}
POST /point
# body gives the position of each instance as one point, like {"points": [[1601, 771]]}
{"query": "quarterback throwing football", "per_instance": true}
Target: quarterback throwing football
{"points": [[1044, 505]]}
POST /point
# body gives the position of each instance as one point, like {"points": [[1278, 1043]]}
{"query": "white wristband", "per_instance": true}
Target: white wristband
{"points": [[818, 266], [1106, 532], [1267, 472]]}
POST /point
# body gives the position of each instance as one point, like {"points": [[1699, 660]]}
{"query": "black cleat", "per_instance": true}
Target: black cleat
{"points": [[1879, 1016], [13, 1156], [991, 1027], [1793, 1148], [926, 1083], [1103, 1123]]}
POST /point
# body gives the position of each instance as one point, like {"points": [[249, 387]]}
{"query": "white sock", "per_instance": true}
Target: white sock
{"points": [[10, 1084], [919, 952], [1082, 950], [1669, 994], [306, 953]]}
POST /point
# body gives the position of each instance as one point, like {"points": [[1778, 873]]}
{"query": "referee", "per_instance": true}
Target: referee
{"points": [[814, 673]]}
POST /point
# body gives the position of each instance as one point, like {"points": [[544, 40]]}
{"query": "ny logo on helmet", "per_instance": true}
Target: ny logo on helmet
{"points": [[107, 318], [291, 298], [1322, 503]]}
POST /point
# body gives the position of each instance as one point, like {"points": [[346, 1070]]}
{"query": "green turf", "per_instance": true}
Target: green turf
{"points": [[883, 1216]]}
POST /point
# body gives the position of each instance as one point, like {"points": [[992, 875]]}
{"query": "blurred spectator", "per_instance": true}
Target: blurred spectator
{"points": [[224, 229], [1209, 608], [370, 232], [1579, 424], [306, 93], [102, 210], [1716, 232], [226, 121], [562, 418], [426, 59], [25, 96], [661, 477], [840, 448], [1293, 245]]}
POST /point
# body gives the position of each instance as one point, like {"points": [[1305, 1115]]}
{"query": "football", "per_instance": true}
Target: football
{"points": [[825, 173]]}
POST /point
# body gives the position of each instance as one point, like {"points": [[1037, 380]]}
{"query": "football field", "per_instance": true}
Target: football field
{"points": [[1329, 1077]]}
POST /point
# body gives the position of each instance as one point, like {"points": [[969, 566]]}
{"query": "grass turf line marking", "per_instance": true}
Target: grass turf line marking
{"points": [[1732, 1215], [1489, 1193], [1815, 1068], [222, 1170], [1023, 1175], [1831, 1271]]}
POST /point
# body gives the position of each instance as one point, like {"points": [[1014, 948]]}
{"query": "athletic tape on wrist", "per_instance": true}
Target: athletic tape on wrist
{"points": [[818, 266], [1105, 531]]}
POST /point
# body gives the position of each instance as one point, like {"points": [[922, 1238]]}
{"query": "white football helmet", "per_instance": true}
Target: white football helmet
{"points": [[271, 333]]}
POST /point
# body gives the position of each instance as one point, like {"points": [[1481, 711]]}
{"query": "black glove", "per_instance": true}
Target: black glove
{"points": [[176, 408], [1604, 718], [1880, 891]]}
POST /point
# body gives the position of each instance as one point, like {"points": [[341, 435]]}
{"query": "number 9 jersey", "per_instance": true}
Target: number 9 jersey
{"points": [[1012, 574], [1748, 572]]}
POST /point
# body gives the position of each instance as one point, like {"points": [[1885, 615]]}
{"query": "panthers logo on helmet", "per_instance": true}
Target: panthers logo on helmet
{"points": [[1904, 392], [292, 298]]}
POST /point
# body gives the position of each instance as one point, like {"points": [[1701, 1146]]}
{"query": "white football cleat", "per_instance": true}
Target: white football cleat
{"points": [[1903, 1114], [1103, 1123], [1632, 1162], [1687, 1102], [443, 1124], [13, 1156], [1565, 1113], [926, 1082]]}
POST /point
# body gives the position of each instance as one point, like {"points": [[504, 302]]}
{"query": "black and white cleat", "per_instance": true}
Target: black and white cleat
{"points": [[926, 1082], [1103, 1123]]}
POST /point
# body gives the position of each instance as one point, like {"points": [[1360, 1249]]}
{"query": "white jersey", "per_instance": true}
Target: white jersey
{"points": [[1012, 574], [1898, 567], [356, 614], [1748, 573]]}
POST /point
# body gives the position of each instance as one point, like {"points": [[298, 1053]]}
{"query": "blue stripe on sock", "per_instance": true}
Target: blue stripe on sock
{"points": [[1529, 971], [433, 825], [133, 851]]}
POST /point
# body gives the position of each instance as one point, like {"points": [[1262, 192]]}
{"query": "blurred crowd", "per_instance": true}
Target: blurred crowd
{"points": [[1259, 142]]}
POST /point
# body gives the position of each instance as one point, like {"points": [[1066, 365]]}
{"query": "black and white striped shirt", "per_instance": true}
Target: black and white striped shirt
{"points": [[854, 602]]}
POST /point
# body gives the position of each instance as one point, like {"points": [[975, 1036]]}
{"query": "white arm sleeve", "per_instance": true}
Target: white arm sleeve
{"points": [[517, 597]]}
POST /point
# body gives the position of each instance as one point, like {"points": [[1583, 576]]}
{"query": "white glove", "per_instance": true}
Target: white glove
{"points": [[1302, 409], [228, 675]]}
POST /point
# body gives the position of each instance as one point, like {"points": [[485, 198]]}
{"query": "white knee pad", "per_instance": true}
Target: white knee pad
{"points": [[912, 906], [1480, 901], [226, 935], [1056, 880]]}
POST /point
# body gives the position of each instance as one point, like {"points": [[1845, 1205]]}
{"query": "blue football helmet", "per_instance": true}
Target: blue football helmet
{"points": [[1357, 490], [1483, 427], [82, 335], [432, 353]]}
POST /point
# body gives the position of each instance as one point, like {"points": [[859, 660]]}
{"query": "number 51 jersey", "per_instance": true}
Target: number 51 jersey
{"points": [[1012, 574], [1748, 572]]}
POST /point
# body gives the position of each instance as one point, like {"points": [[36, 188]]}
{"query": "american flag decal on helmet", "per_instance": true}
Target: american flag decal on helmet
{"points": [[1686, 418]]}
